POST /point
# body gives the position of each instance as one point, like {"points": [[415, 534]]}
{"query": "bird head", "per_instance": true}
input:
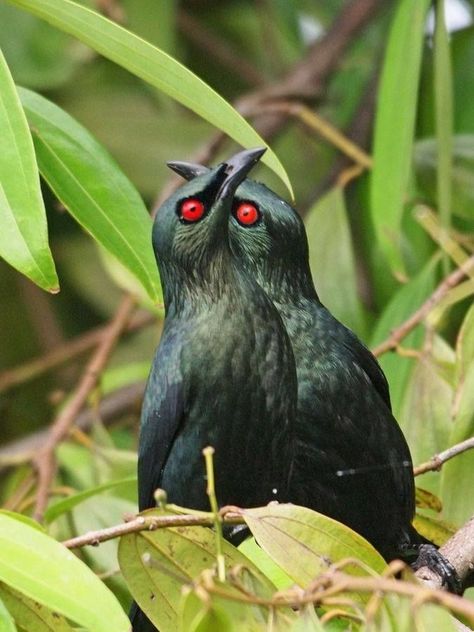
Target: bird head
{"points": [[191, 227], [267, 235]]}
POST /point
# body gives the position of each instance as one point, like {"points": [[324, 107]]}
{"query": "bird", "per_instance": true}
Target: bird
{"points": [[224, 372], [352, 461]]}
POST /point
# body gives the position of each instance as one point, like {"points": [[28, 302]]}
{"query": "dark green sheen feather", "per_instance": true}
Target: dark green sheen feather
{"points": [[224, 372], [352, 461]]}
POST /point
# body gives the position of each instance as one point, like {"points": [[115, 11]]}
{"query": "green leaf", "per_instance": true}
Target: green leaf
{"points": [[330, 249], [156, 564], [408, 298], [67, 504], [308, 621], [461, 174], [45, 571], [154, 66], [6, 622], [458, 473], [265, 563], [305, 543], [443, 84], [433, 528], [93, 188], [31, 615], [24, 233], [395, 125]]}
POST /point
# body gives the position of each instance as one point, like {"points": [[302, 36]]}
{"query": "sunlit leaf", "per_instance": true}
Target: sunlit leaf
{"points": [[47, 572], [6, 622], [152, 65], [305, 543], [395, 126], [332, 262], [408, 298], [433, 528], [30, 615], [265, 563], [24, 234], [93, 188], [156, 564], [458, 473], [67, 504]]}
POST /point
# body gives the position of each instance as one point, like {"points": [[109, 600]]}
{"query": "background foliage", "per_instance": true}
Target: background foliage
{"points": [[380, 154]]}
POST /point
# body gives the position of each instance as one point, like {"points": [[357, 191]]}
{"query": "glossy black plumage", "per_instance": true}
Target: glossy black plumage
{"points": [[352, 461], [224, 373]]}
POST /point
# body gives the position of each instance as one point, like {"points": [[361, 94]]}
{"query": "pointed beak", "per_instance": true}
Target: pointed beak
{"points": [[188, 170], [237, 169]]}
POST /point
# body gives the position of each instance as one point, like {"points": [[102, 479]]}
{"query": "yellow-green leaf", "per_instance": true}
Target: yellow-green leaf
{"points": [[24, 233], [154, 66]]}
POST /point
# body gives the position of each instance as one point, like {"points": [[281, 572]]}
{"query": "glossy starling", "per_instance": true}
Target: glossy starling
{"points": [[352, 461], [224, 372]]}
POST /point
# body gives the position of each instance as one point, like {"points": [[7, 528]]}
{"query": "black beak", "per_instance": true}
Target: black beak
{"points": [[188, 170], [236, 170]]}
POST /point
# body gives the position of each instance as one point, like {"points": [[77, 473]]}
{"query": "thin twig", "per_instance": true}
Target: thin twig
{"points": [[438, 460], [318, 124], [122, 402], [45, 459], [149, 523], [443, 288], [65, 352]]}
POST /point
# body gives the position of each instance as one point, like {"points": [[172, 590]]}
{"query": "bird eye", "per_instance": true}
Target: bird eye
{"points": [[247, 214], [191, 210]]}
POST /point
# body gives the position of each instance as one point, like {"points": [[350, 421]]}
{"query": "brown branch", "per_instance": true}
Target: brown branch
{"points": [[405, 328], [219, 49], [124, 401], [323, 590], [45, 460], [65, 352], [459, 551], [149, 523], [438, 460]]}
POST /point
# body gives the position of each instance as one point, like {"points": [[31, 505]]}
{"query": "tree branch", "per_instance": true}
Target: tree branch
{"points": [[44, 461], [459, 551], [65, 352], [438, 460], [443, 288]]}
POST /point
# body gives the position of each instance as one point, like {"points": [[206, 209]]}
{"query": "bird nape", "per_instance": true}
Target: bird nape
{"points": [[224, 372], [352, 461]]}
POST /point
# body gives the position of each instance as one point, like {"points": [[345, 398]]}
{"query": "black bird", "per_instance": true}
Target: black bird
{"points": [[352, 461], [224, 372]]}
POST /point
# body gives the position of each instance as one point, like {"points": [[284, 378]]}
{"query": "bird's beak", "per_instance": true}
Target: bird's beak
{"points": [[236, 170], [188, 170]]}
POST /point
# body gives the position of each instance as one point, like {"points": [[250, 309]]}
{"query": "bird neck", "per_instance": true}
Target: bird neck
{"points": [[198, 286], [289, 284]]}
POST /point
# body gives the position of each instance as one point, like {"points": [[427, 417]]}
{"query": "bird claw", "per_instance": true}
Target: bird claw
{"points": [[429, 556]]}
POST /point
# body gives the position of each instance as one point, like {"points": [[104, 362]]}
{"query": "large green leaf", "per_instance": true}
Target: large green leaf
{"points": [[30, 615], [152, 65], [408, 298], [331, 257], [305, 543], [6, 622], [458, 473], [23, 234], [93, 188], [395, 125], [443, 84], [462, 173], [45, 571], [156, 564]]}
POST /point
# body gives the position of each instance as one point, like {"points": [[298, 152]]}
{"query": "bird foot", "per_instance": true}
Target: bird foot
{"points": [[429, 556]]}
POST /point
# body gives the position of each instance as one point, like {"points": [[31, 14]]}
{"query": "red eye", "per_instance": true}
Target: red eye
{"points": [[191, 210], [247, 214]]}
